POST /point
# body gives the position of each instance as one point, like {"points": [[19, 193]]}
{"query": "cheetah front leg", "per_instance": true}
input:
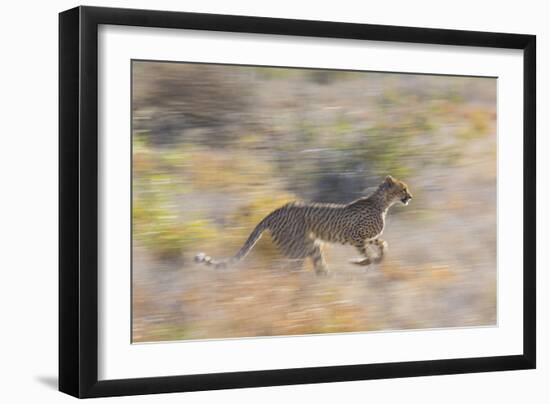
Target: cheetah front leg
{"points": [[382, 249], [362, 248]]}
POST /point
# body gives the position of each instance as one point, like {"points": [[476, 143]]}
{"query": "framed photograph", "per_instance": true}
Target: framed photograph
{"points": [[251, 201]]}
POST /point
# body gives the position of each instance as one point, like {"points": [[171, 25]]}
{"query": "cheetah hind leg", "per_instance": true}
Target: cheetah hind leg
{"points": [[319, 263]]}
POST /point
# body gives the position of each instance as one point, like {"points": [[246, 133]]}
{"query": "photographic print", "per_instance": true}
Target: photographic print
{"points": [[271, 201]]}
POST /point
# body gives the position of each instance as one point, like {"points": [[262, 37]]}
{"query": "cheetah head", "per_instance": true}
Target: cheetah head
{"points": [[396, 190]]}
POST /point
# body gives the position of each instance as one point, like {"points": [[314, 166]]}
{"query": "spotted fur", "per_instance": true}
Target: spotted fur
{"points": [[298, 229]]}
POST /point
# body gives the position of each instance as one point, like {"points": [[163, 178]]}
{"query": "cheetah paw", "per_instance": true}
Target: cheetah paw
{"points": [[360, 261]]}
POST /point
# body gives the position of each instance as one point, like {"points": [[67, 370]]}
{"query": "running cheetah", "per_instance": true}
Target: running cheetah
{"points": [[299, 229]]}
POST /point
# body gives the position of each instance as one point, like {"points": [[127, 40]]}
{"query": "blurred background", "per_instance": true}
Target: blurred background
{"points": [[216, 148]]}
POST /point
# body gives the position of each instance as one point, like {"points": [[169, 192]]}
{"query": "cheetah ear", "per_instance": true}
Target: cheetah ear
{"points": [[389, 180]]}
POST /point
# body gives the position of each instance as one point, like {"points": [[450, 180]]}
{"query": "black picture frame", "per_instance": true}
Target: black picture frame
{"points": [[78, 201]]}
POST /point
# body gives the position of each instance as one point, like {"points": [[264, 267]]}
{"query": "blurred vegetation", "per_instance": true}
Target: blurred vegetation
{"points": [[157, 223], [216, 148]]}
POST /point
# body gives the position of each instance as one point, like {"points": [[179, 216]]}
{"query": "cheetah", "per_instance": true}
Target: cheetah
{"points": [[298, 229]]}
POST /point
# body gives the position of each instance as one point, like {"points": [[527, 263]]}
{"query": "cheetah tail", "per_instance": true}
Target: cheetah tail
{"points": [[243, 252]]}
